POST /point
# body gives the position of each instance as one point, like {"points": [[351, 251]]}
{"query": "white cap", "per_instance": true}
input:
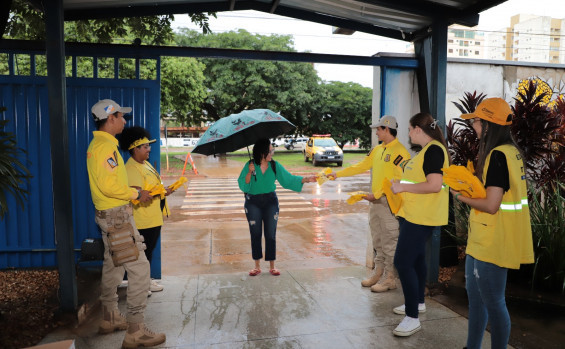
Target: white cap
{"points": [[105, 107], [386, 121]]}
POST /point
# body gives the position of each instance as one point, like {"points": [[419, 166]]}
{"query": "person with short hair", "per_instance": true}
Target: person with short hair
{"points": [[123, 245], [148, 216], [424, 207], [500, 232], [257, 182], [383, 161]]}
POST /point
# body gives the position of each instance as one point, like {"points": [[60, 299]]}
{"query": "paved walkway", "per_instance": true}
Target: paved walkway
{"points": [[302, 308], [209, 301]]}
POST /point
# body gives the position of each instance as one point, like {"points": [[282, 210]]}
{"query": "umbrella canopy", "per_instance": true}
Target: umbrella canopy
{"points": [[237, 131]]}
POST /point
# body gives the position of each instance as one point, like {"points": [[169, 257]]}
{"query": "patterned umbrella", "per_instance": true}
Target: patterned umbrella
{"points": [[237, 131]]}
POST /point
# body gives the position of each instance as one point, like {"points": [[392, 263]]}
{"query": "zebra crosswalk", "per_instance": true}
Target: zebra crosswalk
{"points": [[217, 198]]}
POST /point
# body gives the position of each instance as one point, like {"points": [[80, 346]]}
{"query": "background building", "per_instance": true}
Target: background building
{"points": [[465, 42], [529, 38]]}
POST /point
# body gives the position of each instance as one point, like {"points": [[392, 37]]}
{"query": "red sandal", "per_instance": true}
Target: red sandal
{"points": [[275, 272], [254, 272]]}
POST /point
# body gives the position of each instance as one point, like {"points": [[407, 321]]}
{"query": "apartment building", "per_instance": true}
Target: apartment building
{"points": [[465, 42], [462, 42], [529, 38]]}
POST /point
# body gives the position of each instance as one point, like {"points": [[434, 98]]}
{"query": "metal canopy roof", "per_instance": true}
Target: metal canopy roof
{"points": [[398, 19]]}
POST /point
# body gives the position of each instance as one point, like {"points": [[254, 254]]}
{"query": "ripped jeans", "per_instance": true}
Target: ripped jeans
{"points": [[486, 285], [262, 210]]}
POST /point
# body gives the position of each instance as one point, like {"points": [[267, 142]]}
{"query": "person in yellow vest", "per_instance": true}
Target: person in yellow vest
{"points": [[111, 196], [148, 216], [424, 207], [382, 161], [500, 233]]}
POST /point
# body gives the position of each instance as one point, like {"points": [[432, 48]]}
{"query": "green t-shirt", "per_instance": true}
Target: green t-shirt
{"points": [[265, 182]]}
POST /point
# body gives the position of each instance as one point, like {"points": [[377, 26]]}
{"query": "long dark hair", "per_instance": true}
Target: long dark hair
{"points": [[261, 150], [429, 125], [492, 135]]}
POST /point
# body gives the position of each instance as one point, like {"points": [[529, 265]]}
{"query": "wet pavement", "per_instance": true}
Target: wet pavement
{"points": [[209, 301]]}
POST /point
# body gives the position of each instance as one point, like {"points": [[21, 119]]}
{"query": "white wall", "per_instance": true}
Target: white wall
{"points": [[493, 78], [179, 142]]}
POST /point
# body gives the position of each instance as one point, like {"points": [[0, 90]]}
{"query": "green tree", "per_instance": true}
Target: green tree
{"points": [[292, 89], [345, 113], [27, 23], [182, 89]]}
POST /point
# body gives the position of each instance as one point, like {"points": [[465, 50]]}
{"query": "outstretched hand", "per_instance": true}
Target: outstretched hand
{"points": [[309, 179]]}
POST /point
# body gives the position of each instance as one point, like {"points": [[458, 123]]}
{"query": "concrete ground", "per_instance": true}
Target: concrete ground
{"points": [[301, 308], [210, 301]]}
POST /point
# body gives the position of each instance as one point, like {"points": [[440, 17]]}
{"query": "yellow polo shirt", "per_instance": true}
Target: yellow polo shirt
{"points": [[383, 159], [106, 173], [145, 214]]}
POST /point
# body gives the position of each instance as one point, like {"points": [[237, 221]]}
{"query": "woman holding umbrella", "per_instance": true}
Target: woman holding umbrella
{"points": [[257, 181]]}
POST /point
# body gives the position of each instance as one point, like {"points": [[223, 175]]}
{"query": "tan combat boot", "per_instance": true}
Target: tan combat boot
{"points": [[386, 283], [373, 279], [139, 335], [112, 320]]}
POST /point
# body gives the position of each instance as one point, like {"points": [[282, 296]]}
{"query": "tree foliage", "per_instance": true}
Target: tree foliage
{"points": [[182, 88], [182, 80], [235, 85], [345, 113], [27, 23]]}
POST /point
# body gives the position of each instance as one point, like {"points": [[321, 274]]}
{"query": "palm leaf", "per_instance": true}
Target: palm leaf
{"points": [[13, 173]]}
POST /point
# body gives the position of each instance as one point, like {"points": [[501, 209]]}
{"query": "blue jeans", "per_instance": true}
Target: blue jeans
{"points": [[486, 285], [262, 210], [410, 262]]}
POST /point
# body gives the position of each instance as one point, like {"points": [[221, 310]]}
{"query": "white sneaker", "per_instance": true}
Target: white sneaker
{"points": [[401, 309], [155, 287], [407, 327]]}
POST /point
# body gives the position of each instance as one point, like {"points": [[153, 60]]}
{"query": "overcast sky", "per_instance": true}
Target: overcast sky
{"points": [[318, 38]]}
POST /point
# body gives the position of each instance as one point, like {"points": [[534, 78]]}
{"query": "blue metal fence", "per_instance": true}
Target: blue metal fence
{"points": [[27, 237]]}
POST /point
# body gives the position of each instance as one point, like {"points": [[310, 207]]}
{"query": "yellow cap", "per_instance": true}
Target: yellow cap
{"points": [[141, 141], [495, 110]]}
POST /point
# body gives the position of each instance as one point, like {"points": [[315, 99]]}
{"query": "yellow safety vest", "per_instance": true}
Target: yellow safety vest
{"points": [[382, 160], [504, 238], [145, 214], [424, 209]]}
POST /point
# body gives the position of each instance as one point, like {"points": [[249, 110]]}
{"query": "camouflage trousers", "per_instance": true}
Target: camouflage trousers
{"points": [[138, 270]]}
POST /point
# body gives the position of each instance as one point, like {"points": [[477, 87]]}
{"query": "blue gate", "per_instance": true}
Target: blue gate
{"points": [[27, 236]]}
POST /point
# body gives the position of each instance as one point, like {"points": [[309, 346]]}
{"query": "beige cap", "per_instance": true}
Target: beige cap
{"points": [[105, 107], [386, 121]]}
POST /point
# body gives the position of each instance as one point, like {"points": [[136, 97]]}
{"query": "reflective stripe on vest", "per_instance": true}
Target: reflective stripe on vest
{"points": [[405, 181], [509, 206]]}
